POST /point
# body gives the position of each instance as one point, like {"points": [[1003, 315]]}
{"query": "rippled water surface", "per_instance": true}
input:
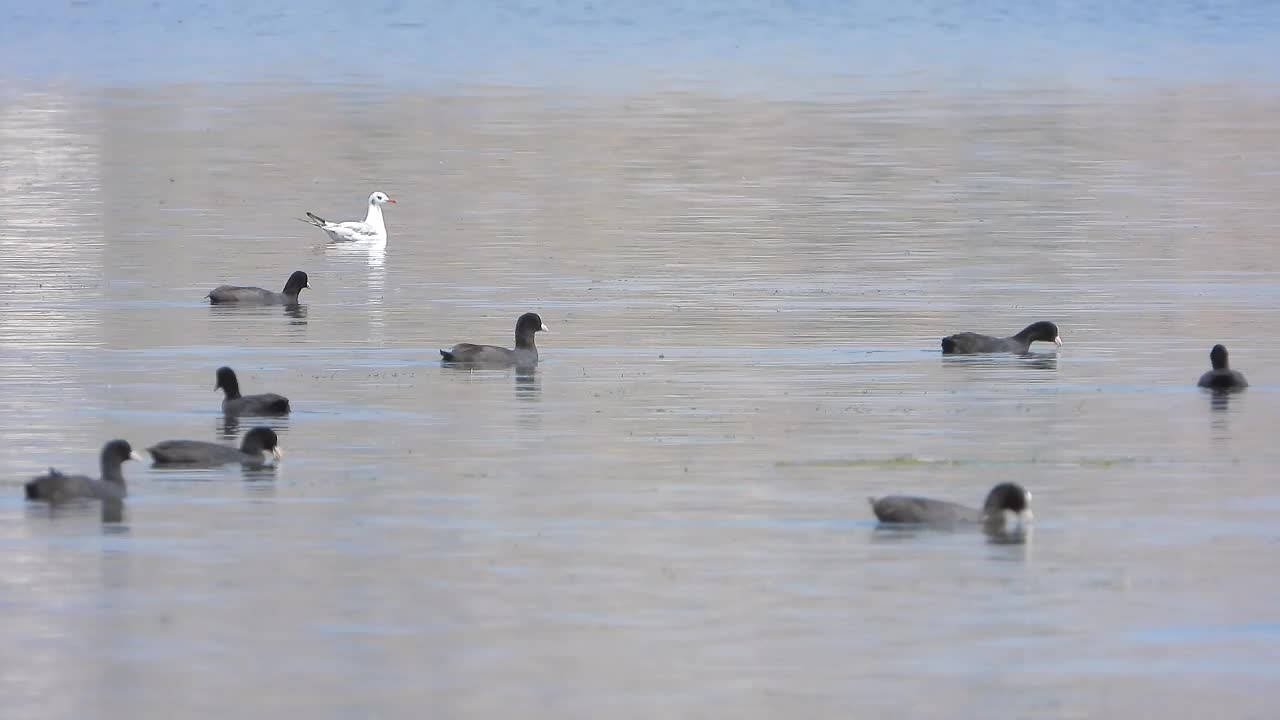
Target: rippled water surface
{"points": [[745, 279]]}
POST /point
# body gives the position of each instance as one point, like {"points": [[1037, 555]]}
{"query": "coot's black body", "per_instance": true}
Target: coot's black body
{"points": [[525, 353], [233, 403], [908, 510], [194, 453], [1222, 378], [968, 343], [56, 487], [227, 294]]}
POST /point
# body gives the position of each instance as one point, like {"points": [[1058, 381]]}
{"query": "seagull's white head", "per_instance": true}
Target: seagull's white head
{"points": [[379, 198]]}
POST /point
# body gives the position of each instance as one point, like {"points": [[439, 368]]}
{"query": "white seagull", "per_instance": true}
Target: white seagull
{"points": [[372, 230]]}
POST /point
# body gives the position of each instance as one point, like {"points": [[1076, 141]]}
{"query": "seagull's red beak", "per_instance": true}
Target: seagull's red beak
{"points": [[390, 200]]}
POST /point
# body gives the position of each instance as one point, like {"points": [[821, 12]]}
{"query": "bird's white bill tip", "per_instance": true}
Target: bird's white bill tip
{"points": [[545, 328], [277, 453], [1016, 518], [135, 456], [1057, 341]]}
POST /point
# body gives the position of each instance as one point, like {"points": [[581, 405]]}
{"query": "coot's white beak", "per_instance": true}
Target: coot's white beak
{"points": [[545, 328], [277, 453], [1057, 341], [135, 456], [1016, 520]]}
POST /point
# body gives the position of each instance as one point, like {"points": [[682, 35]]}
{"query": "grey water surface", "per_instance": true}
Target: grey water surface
{"points": [[747, 243]]}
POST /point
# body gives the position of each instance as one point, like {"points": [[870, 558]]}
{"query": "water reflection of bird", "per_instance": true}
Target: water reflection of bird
{"points": [[1220, 401], [374, 257], [260, 477], [113, 515], [528, 387], [1026, 361]]}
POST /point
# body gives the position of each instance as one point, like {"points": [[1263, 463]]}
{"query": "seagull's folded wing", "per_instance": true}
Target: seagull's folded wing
{"points": [[354, 230]]}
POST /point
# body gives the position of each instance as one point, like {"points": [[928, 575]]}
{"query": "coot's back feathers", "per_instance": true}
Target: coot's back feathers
{"points": [[265, 404], [480, 354], [967, 342], [908, 510]]}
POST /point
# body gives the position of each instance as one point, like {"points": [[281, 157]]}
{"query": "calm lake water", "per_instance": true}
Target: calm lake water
{"points": [[747, 228]]}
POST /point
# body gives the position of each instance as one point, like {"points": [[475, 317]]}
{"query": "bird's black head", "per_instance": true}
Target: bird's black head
{"points": [[1007, 496], [259, 439], [1218, 356], [1043, 331], [227, 382], [117, 451], [297, 281], [528, 324]]}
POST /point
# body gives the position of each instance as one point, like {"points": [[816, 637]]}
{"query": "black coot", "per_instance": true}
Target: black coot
{"points": [[194, 453], [233, 403], [908, 510], [525, 353], [224, 294], [967, 343], [55, 487], [1222, 378]]}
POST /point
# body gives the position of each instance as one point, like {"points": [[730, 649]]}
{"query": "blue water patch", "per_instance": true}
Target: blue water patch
{"points": [[1185, 634], [613, 44]]}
